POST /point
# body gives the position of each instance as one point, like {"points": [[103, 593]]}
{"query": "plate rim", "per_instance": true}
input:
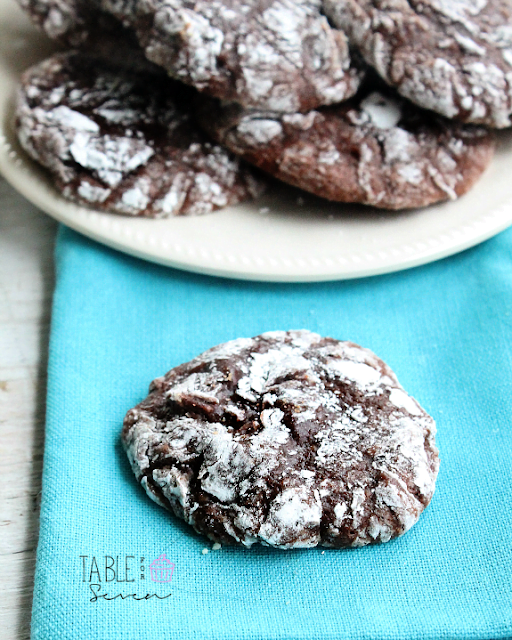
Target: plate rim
{"points": [[15, 166]]}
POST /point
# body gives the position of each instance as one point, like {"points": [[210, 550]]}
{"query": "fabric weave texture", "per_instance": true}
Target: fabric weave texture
{"points": [[118, 322]]}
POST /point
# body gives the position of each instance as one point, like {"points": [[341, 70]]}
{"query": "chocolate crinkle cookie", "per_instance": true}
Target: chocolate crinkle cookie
{"points": [[280, 55], [375, 149], [451, 56], [122, 140], [288, 439]]}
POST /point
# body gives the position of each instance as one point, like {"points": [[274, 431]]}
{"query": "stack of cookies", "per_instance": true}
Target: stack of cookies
{"points": [[173, 107]]}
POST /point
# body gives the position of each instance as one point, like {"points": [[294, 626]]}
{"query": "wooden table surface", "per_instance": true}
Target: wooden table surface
{"points": [[26, 284]]}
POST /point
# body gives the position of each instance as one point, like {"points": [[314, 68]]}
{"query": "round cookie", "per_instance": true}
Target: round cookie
{"points": [[123, 141], [375, 149], [280, 55], [288, 439], [451, 56]]}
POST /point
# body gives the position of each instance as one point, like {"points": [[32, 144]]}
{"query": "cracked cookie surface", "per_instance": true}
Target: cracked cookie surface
{"points": [[451, 56], [123, 141], [288, 439], [375, 149], [280, 55]]}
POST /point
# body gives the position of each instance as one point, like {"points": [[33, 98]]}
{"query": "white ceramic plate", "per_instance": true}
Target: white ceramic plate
{"points": [[274, 239]]}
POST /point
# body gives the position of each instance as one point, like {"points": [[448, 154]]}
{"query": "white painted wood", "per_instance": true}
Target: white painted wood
{"points": [[26, 284]]}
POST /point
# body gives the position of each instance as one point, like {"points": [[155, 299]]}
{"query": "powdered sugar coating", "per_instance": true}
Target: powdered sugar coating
{"points": [[374, 149], [451, 56], [119, 140], [287, 439], [280, 55]]}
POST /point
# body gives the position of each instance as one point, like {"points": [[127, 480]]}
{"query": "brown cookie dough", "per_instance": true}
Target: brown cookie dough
{"points": [[375, 149], [123, 141], [280, 55], [287, 439], [451, 56]]}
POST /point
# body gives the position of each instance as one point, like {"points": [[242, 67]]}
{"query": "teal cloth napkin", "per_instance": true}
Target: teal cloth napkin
{"points": [[446, 329]]}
